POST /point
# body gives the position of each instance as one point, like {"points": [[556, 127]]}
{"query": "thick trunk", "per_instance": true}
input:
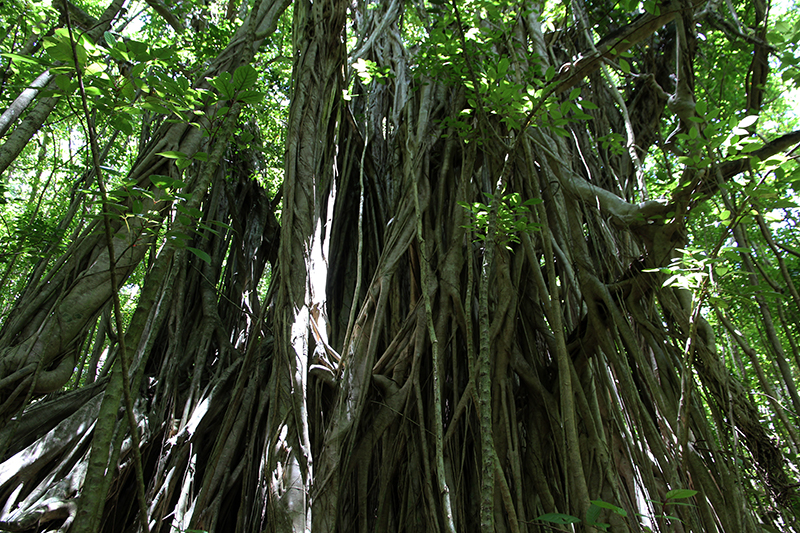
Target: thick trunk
{"points": [[465, 327], [314, 122], [39, 337]]}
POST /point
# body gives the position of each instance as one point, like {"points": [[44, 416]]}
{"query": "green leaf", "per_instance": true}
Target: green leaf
{"points": [[191, 211], [558, 518], [128, 91], [244, 77], [250, 97], [200, 253], [593, 514], [223, 85], [156, 108], [94, 68], [678, 494], [751, 147], [164, 53], [574, 93], [172, 154], [202, 226], [624, 66], [59, 50], [123, 124], [65, 83], [22, 59], [502, 67], [110, 39], [611, 507], [139, 50], [165, 182], [160, 181]]}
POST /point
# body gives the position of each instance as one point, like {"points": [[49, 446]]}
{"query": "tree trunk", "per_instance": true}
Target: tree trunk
{"points": [[466, 326]]}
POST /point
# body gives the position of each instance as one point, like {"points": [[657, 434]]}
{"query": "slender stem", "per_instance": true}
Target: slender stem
{"points": [[694, 318], [126, 386], [484, 379], [425, 275], [359, 266]]}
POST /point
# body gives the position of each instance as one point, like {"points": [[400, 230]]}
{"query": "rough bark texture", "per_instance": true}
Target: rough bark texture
{"points": [[565, 371]]}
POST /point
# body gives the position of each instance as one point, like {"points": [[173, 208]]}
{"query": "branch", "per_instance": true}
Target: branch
{"points": [[122, 356], [716, 21], [703, 189], [623, 214], [732, 168], [614, 44], [159, 7], [608, 48], [79, 18]]}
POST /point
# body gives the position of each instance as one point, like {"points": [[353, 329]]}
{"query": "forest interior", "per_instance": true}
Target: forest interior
{"points": [[399, 266]]}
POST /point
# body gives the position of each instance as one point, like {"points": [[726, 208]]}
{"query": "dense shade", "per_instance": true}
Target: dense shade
{"points": [[393, 266]]}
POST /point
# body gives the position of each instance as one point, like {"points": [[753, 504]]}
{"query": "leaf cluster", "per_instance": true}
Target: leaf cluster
{"points": [[513, 217]]}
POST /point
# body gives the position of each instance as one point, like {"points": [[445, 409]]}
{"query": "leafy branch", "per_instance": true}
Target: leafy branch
{"points": [[513, 217]]}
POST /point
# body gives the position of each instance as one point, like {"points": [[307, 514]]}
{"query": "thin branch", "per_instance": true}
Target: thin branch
{"points": [[126, 386], [159, 7]]}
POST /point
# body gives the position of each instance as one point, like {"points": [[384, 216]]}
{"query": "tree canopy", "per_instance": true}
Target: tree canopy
{"points": [[430, 265]]}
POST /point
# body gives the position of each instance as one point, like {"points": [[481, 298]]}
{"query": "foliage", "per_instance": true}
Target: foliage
{"points": [[597, 507], [512, 218], [443, 265]]}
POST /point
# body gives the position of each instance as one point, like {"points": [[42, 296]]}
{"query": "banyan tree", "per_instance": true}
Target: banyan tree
{"points": [[399, 266]]}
